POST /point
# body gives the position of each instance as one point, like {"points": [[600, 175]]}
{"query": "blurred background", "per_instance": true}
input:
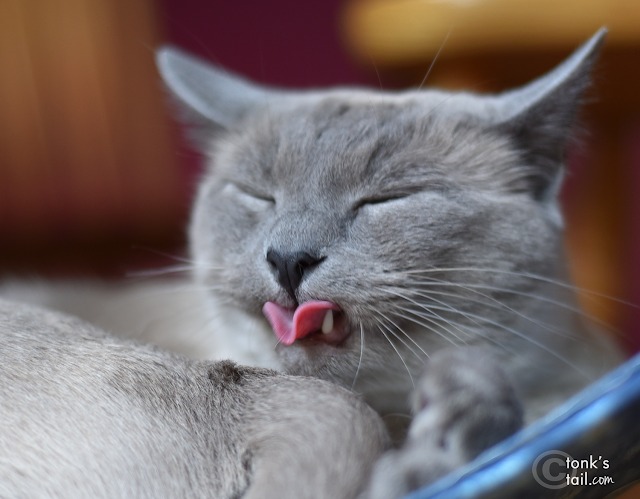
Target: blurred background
{"points": [[96, 181]]}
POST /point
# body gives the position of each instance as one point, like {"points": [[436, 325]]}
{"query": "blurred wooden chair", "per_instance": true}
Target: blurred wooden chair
{"points": [[492, 45]]}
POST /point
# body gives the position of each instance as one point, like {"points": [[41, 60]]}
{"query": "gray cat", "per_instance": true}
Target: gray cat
{"points": [[361, 236], [373, 229]]}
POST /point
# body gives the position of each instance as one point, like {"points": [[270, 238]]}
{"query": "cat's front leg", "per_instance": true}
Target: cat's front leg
{"points": [[463, 404]]}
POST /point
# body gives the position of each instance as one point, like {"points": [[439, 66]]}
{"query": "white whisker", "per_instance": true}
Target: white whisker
{"points": [[173, 269], [559, 304], [470, 315], [396, 350], [361, 354], [499, 306], [435, 58], [408, 337], [422, 306], [527, 275], [474, 330], [430, 318]]}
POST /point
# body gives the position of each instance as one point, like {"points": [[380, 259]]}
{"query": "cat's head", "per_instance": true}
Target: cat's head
{"points": [[395, 222]]}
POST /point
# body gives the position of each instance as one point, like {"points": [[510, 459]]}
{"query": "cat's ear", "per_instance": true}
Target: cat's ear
{"points": [[211, 95], [540, 116]]}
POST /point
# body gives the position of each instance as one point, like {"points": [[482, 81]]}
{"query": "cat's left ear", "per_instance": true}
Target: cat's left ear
{"points": [[210, 95], [541, 115]]}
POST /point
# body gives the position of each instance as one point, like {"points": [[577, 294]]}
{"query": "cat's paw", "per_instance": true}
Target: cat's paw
{"points": [[463, 404], [401, 471]]}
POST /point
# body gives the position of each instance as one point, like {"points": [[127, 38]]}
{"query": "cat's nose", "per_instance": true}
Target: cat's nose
{"points": [[291, 267]]}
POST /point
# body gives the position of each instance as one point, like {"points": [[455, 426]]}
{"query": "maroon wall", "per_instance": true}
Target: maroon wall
{"points": [[295, 43], [289, 43]]}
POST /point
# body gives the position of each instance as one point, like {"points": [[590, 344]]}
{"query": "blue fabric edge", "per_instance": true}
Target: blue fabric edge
{"points": [[515, 455]]}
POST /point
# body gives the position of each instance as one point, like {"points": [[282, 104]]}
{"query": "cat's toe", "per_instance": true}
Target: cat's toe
{"points": [[463, 404], [399, 472]]}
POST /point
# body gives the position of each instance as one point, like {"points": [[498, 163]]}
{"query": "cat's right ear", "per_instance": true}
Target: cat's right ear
{"points": [[211, 96], [540, 116]]}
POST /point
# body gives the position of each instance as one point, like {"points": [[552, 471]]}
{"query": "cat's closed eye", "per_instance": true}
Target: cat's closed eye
{"points": [[248, 196], [375, 201]]}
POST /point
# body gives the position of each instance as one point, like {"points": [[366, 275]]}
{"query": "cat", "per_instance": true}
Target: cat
{"points": [[85, 414], [370, 229], [359, 236]]}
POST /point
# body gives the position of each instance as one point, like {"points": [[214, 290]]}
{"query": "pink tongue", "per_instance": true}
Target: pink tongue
{"points": [[290, 325]]}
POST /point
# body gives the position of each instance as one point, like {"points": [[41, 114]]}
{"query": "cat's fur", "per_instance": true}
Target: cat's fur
{"points": [[434, 223], [434, 217], [84, 414], [87, 414]]}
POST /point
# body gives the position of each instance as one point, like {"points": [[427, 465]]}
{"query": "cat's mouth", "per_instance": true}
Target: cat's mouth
{"points": [[312, 320]]}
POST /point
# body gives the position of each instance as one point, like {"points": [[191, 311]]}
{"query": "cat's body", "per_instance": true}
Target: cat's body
{"points": [[370, 231], [85, 414]]}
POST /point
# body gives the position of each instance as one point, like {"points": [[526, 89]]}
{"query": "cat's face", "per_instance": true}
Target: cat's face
{"points": [[383, 191], [415, 220]]}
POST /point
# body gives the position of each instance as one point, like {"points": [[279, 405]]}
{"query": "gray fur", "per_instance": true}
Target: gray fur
{"points": [[463, 405], [85, 414], [393, 190], [437, 221]]}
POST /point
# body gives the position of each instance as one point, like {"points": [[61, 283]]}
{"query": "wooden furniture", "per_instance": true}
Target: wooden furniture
{"points": [[401, 32], [87, 155]]}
